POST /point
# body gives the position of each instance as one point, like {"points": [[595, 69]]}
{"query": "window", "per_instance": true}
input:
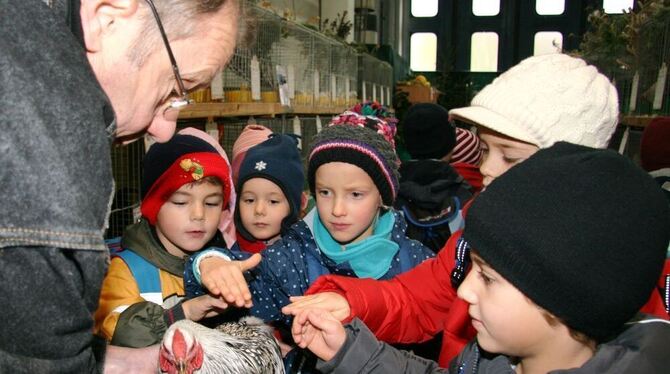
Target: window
{"points": [[548, 42], [549, 7], [485, 7], [484, 52], [423, 51], [617, 6], [424, 8]]}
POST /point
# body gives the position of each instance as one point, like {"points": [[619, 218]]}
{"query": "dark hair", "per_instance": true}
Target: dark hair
{"points": [[180, 19]]}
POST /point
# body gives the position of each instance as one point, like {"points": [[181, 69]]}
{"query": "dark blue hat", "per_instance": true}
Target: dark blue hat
{"points": [[277, 160]]}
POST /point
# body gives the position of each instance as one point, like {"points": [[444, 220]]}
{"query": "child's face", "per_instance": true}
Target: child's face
{"points": [[506, 320], [263, 207], [190, 218], [500, 153], [347, 200]]}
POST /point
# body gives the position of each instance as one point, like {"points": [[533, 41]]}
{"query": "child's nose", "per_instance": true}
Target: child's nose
{"points": [[259, 208], [339, 208], [466, 289], [197, 212]]}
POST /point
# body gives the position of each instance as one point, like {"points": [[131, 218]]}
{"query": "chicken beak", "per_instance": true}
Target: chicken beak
{"points": [[182, 367]]}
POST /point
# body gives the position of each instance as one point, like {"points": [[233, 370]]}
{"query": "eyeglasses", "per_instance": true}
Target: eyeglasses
{"points": [[183, 100]]}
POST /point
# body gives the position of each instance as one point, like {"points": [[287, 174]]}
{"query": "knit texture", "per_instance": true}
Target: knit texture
{"points": [[655, 144], [363, 141], [182, 160], [277, 159], [582, 232], [250, 136], [545, 99], [468, 148], [427, 132]]}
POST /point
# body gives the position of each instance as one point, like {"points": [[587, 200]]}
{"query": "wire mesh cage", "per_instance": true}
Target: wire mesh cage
{"points": [[127, 169], [322, 48], [344, 68], [375, 79], [294, 53]]}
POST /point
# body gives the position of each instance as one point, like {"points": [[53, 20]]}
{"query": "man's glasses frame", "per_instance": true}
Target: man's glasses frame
{"points": [[183, 98]]}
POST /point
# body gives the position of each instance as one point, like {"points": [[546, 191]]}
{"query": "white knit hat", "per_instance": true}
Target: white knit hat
{"points": [[545, 99]]}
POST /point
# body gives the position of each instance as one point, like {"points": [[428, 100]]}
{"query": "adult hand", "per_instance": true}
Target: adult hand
{"points": [[320, 332], [204, 306], [331, 302], [226, 278]]}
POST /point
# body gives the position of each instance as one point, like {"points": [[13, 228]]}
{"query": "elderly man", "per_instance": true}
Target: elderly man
{"points": [[75, 74]]}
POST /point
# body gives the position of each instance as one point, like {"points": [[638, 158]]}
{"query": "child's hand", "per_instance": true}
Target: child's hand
{"points": [[332, 302], [204, 306], [318, 331], [225, 278]]}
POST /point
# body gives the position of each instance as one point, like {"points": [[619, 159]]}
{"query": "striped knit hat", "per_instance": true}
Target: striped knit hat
{"points": [[468, 148], [363, 141]]}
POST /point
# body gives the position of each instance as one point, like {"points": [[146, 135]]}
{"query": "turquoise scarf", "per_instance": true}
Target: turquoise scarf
{"points": [[369, 258]]}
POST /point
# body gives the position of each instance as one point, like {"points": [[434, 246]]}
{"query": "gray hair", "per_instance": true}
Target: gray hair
{"points": [[179, 18]]}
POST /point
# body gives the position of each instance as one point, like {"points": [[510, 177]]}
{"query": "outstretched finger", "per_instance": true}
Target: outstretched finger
{"points": [[251, 262]]}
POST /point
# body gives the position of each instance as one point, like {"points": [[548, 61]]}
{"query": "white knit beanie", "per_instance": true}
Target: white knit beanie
{"points": [[545, 99]]}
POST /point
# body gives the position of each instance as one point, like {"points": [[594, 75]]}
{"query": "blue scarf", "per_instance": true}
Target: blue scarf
{"points": [[369, 258]]}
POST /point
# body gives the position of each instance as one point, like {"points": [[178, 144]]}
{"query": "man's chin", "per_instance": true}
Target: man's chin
{"points": [[127, 139]]}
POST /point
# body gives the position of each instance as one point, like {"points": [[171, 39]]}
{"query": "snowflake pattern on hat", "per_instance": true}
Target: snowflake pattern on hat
{"points": [[260, 165]]}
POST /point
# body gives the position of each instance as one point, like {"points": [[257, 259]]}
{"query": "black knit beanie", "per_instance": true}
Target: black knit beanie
{"points": [[427, 132], [277, 160], [582, 232], [357, 145]]}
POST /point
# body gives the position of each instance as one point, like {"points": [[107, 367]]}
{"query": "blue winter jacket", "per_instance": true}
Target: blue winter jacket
{"points": [[293, 263]]}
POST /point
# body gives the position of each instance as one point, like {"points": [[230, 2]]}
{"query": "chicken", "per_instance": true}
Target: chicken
{"points": [[246, 346]]}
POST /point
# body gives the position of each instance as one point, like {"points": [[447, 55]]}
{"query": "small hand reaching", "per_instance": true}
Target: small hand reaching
{"points": [[320, 332], [204, 306], [332, 302], [226, 278]]}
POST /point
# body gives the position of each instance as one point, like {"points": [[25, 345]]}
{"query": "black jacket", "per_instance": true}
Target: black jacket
{"points": [[642, 347]]}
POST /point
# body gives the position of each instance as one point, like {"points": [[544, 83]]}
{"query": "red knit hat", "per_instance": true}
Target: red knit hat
{"points": [[182, 160], [655, 144]]}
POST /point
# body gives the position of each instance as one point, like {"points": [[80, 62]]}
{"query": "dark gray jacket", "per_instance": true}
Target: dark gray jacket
{"points": [[56, 187], [641, 348]]}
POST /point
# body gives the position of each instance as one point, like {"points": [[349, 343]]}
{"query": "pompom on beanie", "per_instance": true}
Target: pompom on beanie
{"points": [[582, 232], [545, 99], [168, 166], [365, 141], [427, 132], [655, 144], [277, 159]]}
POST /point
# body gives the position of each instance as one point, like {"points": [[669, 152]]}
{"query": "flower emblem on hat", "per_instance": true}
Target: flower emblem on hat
{"points": [[190, 166], [260, 165]]}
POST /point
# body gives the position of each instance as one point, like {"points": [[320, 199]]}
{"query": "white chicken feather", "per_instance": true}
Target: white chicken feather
{"points": [[247, 346]]}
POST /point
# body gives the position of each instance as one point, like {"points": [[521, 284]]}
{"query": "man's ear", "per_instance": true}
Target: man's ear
{"points": [[98, 17]]}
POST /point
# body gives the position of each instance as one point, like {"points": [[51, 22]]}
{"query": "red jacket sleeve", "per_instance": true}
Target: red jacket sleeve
{"points": [[409, 308], [656, 303]]}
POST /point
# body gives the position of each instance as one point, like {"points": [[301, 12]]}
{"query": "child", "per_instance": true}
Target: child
{"points": [[270, 183], [542, 100], [353, 173], [185, 186], [557, 295], [432, 193]]}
